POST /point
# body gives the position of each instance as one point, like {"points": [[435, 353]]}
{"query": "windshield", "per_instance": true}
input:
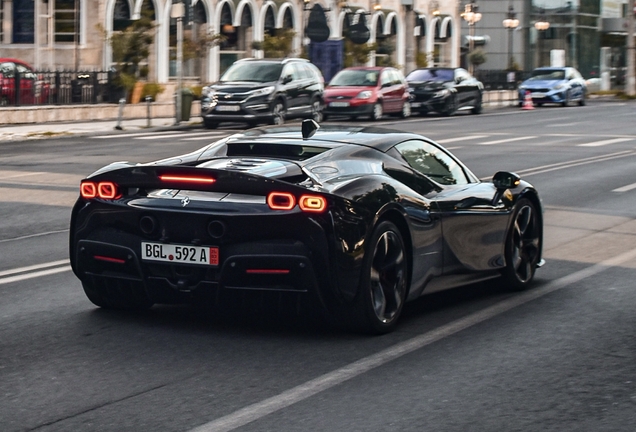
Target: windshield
{"points": [[355, 77], [252, 71], [431, 75], [547, 75]]}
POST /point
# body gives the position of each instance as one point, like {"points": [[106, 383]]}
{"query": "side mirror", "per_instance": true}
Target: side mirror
{"points": [[287, 79], [386, 84], [503, 181]]}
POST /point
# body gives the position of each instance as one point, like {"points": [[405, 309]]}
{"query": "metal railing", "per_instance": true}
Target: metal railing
{"points": [[501, 79], [59, 88]]}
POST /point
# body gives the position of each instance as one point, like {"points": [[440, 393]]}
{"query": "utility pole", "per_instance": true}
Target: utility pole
{"points": [[631, 80], [178, 11]]}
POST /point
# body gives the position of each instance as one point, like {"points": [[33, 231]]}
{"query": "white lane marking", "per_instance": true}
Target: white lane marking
{"points": [[33, 235], [21, 175], [604, 142], [150, 137], [310, 388], [26, 276], [625, 188], [464, 138], [561, 125], [131, 135], [507, 140], [453, 148], [33, 267], [214, 137]]}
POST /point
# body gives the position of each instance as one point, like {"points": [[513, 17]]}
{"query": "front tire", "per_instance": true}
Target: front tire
{"points": [[378, 111], [209, 124], [478, 105], [523, 245], [450, 106], [383, 281], [278, 113]]}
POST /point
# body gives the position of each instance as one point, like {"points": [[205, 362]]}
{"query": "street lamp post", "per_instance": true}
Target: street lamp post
{"points": [[178, 11], [511, 23], [541, 25], [471, 16]]}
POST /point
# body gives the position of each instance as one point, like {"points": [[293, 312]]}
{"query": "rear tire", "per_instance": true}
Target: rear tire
{"points": [[383, 281], [316, 111], [523, 245], [116, 294], [209, 124], [278, 113], [406, 110]]}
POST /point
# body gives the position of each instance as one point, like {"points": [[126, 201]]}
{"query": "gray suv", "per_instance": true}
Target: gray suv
{"points": [[264, 91]]}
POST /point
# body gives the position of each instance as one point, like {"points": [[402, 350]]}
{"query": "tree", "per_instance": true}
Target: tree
{"points": [[131, 47], [279, 44], [477, 57]]}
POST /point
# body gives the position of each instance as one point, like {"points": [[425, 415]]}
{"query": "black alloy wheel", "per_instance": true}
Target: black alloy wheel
{"points": [[278, 113], [478, 105], [316, 110], [383, 282], [523, 244], [566, 102], [210, 124], [116, 294], [450, 105]]}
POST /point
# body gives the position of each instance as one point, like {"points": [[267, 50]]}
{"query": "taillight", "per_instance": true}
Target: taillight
{"points": [[281, 201], [287, 201], [104, 190], [186, 179], [312, 203]]}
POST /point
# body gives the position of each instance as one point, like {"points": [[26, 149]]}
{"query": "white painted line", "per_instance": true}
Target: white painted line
{"points": [[604, 142], [33, 267], [561, 125], [625, 188], [33, 275], [201, 138], [33, 235], [150, 137], [294, 395], [22, 175], [507, 140], [130, 135], [464, 138]]}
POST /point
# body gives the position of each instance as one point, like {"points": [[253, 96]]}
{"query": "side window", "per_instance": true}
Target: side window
{"points": [[432, 162], [24, 72], [7, 70], [290, 70], [395, 77], [304, 71], [385, 78]]}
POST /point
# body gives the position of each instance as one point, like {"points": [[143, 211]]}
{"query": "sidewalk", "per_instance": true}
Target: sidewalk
{"points": [[65, 129]]}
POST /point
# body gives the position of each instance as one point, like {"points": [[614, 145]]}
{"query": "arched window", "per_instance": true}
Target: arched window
{"points": [[121, 15]]}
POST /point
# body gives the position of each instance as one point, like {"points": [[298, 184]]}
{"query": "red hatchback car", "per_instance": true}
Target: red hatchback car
{"points": [[33, 90], [367, 91]]}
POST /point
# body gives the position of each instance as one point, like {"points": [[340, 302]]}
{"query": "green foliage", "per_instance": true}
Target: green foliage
{"points": [[131, 47], [477, 57], [421, 59], [279, 44], [151, 89], [199, 48], [196, 91], [357, 54], [513, 66]]}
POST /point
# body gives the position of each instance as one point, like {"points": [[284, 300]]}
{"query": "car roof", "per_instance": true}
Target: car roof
{"points": [[272, 60], [13, 60]]}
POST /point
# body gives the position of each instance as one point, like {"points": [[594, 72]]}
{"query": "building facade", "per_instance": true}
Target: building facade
{"points": [[75, 34]]}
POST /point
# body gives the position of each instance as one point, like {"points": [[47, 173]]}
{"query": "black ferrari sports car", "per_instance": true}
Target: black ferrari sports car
{"points": [[358, 220]]}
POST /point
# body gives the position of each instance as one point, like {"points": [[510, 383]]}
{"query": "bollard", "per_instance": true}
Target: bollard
{"points": [[148, 100], [122, 102]]}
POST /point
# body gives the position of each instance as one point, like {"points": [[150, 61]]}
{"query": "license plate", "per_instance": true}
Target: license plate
{"points": [[181, 254], [416, 104], [339, 104], [228, 108], [537, 95]]}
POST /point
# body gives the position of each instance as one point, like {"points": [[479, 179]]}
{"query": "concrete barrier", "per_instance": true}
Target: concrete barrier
{"points": [[81, 113]]}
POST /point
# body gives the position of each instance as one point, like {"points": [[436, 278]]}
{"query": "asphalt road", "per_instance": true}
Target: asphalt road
{"points": [[559, 357]]}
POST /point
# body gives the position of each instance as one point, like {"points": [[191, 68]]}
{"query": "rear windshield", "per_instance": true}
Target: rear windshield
{"points": [[252, 71], [358, 77], [431, 75], [282, 151], [547, 75]]}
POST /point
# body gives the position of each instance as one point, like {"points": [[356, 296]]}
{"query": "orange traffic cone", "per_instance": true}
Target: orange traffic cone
{"points": [[527, 102]]}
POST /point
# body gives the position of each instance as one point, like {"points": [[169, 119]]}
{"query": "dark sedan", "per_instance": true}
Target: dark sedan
{"points": [[444, 90], [352, 221]]}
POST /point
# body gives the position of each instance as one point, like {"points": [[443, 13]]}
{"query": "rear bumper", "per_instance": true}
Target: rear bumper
{"points": [[353, 110]]}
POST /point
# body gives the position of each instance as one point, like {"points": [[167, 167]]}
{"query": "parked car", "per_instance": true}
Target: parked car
{"points": [[264, 90], [32, 88], [560, 85], [349, 220], [444, 90], [367, 91]]}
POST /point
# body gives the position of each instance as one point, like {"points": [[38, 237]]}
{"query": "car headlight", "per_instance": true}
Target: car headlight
{"points": [[523, 87], [263, 91], [559, 86], [442, 93], [364, 95], [205, 91], [411, 89]]}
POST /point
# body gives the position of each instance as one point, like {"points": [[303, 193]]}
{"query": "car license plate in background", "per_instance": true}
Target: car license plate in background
{"points": [[202, 255], [537, 95], [416, 104], [228, 108], [339, 104]]}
